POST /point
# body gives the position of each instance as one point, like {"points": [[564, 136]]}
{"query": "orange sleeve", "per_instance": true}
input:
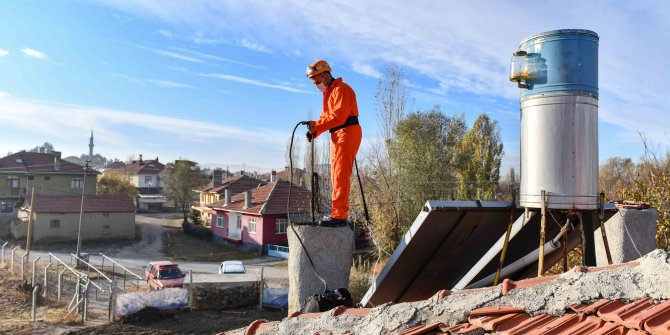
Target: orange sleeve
{"points": [[340, 105]]}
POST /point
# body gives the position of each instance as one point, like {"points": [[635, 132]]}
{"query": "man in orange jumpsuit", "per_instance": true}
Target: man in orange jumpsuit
{"points": [[340, 117]]}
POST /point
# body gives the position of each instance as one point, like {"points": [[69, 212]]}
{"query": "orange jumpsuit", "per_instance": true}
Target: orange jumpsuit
{"points": [[339, 103]]}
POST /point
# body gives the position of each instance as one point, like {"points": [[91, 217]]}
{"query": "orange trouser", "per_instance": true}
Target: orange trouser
{"points": [[343, 149]]}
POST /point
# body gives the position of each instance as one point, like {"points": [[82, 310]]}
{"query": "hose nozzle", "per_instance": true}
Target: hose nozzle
{"points": [[304, 122]]}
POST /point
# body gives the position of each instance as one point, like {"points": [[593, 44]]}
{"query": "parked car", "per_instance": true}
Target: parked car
{"points": [[162, 274], [231, 267]]}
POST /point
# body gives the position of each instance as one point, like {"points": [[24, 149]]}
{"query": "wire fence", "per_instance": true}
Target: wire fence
{"points": [[86, 290]]}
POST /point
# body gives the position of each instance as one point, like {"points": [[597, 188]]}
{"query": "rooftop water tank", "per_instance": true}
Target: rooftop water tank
{"points": [[557, 72]]}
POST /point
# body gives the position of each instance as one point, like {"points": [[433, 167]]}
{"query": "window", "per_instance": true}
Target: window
{"points": [[6, 207], [252, 225], [47, 177], [147, 179], [280, 226], [77, 183], [219, 220], [31, 177], [105, 214], [12, 182], [239, 222], [55, 224]]}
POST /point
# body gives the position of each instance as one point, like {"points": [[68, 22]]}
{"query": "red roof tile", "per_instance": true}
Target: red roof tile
{"points": [[92, 203], [236, 184], [269, 199], [35, 162], [143, 167]]}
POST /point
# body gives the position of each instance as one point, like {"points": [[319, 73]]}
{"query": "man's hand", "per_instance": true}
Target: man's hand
{"points": [[309, 136], [310, 131]]}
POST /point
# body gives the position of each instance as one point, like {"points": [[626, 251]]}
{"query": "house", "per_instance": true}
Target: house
{"points": [[214, 191], [56, 217], [145, 176], [46, 172], [258, 217], [629, 298]]}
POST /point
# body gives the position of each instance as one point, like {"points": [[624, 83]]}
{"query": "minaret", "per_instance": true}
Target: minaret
{"points": [[90, 147]]}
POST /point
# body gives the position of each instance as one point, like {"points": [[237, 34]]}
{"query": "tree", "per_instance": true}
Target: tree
{"points": [[616, 174], [425, 152], [478, 159], [116, 183], [179, 180], [46, 147]]}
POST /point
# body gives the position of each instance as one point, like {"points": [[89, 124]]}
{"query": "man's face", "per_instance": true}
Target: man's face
{"points": [[318, 79]]}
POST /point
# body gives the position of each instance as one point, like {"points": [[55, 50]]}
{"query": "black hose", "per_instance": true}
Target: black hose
{"points": [[288, 203]]}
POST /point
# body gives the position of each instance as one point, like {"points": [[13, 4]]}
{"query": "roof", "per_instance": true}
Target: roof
{"points": [[92, 203], [284, 174], [37, 162], [629, 298], [159, 263], [269, 199], [140, 167], [236, 184]]}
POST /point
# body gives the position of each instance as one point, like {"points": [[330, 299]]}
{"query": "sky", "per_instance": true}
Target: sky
{"points": [[222, 82]]}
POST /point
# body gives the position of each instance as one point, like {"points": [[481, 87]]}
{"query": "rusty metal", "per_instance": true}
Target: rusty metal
{"points": [[543, 232], [507, 235], [565, 253], [601, 216]]}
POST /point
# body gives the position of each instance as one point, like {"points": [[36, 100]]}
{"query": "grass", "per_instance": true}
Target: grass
{"points": [[180, 246]]}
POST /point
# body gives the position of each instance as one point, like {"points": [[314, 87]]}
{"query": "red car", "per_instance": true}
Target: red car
{"points": [[162, 274]]}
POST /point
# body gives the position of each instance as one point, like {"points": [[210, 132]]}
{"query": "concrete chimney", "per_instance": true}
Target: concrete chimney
{"points": [[247, 199], [217, 177], [273, 176], [55, 154], [226, 197], [140, 161], [56, 164]]}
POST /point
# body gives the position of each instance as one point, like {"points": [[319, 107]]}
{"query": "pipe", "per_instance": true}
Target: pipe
{"points": [[530, 258], [493, 251]]}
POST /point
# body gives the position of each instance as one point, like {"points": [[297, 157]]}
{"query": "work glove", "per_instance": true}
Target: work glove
{"points": [[309, 136], [311, 131]]}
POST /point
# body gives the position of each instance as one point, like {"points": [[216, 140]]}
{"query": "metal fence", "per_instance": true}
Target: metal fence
{"points": [[75, 283]]}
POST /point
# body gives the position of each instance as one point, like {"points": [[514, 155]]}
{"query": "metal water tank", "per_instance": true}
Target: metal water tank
{"points": [[558, 74]]}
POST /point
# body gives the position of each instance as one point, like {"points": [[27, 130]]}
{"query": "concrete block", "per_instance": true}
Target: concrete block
{"points": [[631, 234], [331, 251]]}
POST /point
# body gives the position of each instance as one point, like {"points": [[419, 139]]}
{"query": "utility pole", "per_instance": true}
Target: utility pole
{"points": [[29, 235], [81, 211]]}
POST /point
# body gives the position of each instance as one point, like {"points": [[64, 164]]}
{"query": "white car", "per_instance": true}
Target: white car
{"points": [[231, 267]]}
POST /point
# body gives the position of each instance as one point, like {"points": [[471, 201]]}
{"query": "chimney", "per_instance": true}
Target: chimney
{"points": [[140, 161], [273, 176], [56, 164], [247, 199], [217, 177], [55, 154], [156, 159], [226, 197]]}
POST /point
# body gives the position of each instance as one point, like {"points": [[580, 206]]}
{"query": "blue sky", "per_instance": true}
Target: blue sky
{"points": [[222, 82]]}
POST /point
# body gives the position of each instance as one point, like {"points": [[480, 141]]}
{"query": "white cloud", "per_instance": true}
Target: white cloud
{"points": [[28, 52], [200, 38], [155, 82], [366, 70], [3, 53], [218, 58], [253, 46], [165, 33], [4, 95], [172, 54], [252, 82]]}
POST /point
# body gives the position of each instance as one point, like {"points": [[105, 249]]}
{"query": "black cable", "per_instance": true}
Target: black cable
{"points": [[288, 203]]}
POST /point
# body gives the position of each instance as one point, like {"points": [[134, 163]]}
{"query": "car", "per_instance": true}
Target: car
{"points": [[163, 274], [231, 267]]}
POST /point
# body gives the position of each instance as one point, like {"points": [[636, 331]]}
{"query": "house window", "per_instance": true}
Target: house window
{"points": [[147, 179], [239, 222], [12, 182], [47, 177], [77, 183], [55, 224], [280, 226], [219, 221], [6, 207], [31, 177], [252, 225], [105, 214]]}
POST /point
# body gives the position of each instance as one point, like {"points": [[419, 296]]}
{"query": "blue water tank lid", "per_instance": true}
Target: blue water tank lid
{"points": [[562, 32]]}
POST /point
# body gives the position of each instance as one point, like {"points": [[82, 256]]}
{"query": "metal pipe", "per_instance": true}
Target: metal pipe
{"points": [[23, 260], [34, 307], [89, 267], [543, 227], [60, 280], [46, 269], [530, 258], [509, 230], [33, 280], [493, 251], [602, 228], [12, 263], [3, 251]]}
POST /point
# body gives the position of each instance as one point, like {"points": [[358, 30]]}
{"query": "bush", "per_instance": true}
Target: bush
{"points": [[197, 231]]}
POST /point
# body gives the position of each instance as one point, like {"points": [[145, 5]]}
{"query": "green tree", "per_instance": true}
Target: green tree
{"points": [[478, 160], [616, 174], [425, 155], [179, 180], [116, 183]]}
